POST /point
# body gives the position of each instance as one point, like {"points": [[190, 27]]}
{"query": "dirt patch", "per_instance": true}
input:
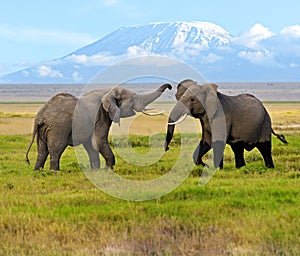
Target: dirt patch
{"points": [[16, 126]]}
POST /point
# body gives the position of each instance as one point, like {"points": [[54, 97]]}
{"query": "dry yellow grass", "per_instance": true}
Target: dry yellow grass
{"points": [[285, 116], [17, 119]]}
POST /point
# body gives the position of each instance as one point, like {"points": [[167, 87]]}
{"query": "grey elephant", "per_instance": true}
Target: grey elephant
{"points": [[66, 120], [240, 121]]}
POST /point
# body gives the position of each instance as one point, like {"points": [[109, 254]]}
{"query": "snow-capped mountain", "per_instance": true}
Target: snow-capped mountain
{"points": [[159, 38], [256, 55]]}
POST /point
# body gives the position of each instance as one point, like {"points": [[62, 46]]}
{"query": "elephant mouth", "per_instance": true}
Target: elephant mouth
{"points": [[195, 114]]}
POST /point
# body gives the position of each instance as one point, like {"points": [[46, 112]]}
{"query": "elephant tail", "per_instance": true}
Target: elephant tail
{"points": [[35, 129], [280, 137]]}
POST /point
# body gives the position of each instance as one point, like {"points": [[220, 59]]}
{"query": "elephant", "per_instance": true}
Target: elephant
{"points": [[247, 122], [67, 120]]}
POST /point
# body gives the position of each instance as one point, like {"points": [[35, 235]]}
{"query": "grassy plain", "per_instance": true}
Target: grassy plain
{"points": [[249, 211]]}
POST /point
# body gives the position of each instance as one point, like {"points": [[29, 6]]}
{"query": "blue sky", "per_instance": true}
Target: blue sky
{"points": [[34, 31]]}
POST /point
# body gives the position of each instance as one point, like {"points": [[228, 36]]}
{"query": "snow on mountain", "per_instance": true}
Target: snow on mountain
{"points": [[159, 37], [256, 55]]}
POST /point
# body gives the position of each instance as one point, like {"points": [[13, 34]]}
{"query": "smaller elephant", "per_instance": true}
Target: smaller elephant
{"points": [[241, 120], [66, 120]]}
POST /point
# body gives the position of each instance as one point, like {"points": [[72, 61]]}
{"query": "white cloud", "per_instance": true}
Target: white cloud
{"points": [[211, 58], [254, 36], [105, 59], [293, 65], [46, 71], [99, 59], [76, 76], [136, 51], [291, 31], [260, 57]]}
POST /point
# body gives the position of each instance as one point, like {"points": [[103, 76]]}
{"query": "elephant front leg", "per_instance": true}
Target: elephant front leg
{"points": [[108, 155], [93, 155], [200, 151], [105, 151], [218, 148]]}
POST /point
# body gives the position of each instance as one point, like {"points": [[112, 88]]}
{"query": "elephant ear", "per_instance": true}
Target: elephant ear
{"points": [[211, 100], [110, 105], [182, 87]]}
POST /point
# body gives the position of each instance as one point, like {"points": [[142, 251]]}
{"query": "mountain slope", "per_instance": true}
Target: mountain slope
{"points": [[256, 55]]}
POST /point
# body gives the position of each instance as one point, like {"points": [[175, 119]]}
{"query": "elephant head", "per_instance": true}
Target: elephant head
{"points": [[121, 102]]}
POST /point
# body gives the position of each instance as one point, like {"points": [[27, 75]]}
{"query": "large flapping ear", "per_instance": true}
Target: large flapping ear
{"points": [[182, 87], [110, 105], [211, 100]]}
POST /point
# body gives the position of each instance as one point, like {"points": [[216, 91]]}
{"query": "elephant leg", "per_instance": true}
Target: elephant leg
{"points": [[266, 151], [93, 155], [56, 148], [221, 165], [55, 157], [218, 148], [105, 151], [43, 153], [200, 151], [238, 150]]}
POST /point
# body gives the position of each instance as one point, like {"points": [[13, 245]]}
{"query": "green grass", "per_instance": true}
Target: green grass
{"points": [[249, 211]]}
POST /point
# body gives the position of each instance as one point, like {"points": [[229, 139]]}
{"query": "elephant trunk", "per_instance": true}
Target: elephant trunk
{"points": [[177, 112], [141, 101]]}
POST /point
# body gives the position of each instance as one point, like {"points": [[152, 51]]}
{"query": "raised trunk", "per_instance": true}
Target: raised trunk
{"points": [[141, 101]]}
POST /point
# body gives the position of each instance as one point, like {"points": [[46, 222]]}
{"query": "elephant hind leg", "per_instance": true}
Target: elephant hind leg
{"points": [[266, 151], [55, 157], [238, 150], [56, 148], [43, 153]]}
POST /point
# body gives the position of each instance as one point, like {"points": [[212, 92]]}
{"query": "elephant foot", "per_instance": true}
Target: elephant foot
{"points": [[108, 168], [270, 165], [200, 162], [239, 163]]}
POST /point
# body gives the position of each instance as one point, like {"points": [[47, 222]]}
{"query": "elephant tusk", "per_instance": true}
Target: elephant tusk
{"points": [[179, 120], [148, 109], [152, 114]]}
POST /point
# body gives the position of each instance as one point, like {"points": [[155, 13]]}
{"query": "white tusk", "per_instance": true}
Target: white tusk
{"points": [[179, 120], [152, 114]]}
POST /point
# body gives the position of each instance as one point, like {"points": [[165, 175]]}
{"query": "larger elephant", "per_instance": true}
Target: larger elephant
{"points": [[247, 122], [66, 120]]}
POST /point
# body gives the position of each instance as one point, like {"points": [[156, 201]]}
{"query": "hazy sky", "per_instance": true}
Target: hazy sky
{"points": [[35, 31]]}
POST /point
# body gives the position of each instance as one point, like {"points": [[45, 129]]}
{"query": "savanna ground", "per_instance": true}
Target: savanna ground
{"points": [[249, 211]]}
